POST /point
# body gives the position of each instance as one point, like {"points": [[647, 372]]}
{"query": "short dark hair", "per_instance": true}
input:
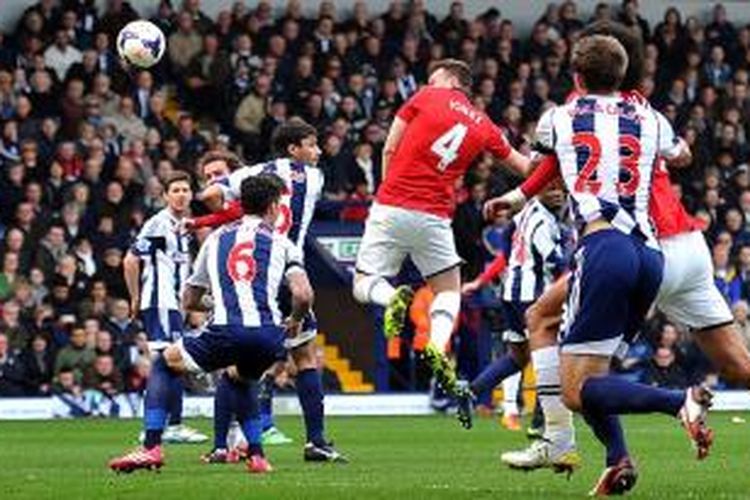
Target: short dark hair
{"points": [[291, 133], [177, 176], [601, 62], [457, 68], [231, 159], [633, 45], [259, 192]]}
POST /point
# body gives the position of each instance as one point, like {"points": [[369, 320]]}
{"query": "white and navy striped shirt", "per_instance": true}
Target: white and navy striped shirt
{"points": [[242, 265], [607, 147], [304, 188], [165, 261], [536, 253]]}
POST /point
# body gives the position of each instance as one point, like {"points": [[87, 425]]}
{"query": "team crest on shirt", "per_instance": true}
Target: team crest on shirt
{"points": [[241, 262], [142, 246]]}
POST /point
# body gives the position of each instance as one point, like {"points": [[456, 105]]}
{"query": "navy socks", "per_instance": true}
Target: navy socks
{"points": [[310, 392], [500, 369], [157, 399]]}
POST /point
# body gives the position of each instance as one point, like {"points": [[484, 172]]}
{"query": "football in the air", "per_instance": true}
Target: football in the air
{"points": [[141, 43]]}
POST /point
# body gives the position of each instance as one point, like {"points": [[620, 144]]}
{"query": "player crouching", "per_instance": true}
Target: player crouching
{"points": [[241, 266]]}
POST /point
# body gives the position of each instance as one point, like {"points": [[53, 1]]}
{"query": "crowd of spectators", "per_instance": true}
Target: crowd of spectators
{"points": [[84, 141]]}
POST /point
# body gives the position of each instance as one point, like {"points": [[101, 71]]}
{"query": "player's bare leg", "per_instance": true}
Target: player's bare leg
{"points": [[727, 351], [443, 315]]}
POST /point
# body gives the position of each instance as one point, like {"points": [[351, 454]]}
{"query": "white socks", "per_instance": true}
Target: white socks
{"points": [[443, 313], [373, 290], [235, 437], [558, 420], [510, 394]]}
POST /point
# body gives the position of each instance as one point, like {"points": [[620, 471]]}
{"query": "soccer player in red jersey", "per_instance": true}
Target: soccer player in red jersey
{"points": [[434, 138]]}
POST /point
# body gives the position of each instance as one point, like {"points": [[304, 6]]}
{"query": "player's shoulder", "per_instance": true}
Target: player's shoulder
{"points": [[425, 91], [156, 222], [545, 213], [281, 242], [524, 213], [214, 236], [314, 173], [635, 97], [551, 113], [246, 171]]}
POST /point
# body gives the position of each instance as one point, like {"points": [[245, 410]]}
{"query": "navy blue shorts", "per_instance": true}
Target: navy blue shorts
{"points": [[162, 326], [253, 350], [614, 281], [514, 314]]}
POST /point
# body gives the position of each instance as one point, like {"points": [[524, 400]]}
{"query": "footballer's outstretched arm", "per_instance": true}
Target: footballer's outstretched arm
{"points": [[499, 147], [680, 156], [213, 197], [395, 133], [232, 212], [545, 170], [675, 151], [519, 163]]}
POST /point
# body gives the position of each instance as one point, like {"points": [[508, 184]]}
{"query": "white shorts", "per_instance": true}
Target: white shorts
{"points": [[303, 338], [688, 294], [392, 234]]}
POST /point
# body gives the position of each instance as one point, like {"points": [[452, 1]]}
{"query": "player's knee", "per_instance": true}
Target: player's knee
{"points": [[305, 356], [570, 386], [361, 288], [447, 302], [737, 372], [520, 353], [571, 396]]}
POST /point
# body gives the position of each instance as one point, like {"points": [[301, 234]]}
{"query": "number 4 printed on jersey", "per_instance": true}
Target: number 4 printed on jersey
{"points": [[447, 145]]}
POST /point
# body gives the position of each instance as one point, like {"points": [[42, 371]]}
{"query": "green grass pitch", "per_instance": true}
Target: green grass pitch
{"points": [[391, 458]]}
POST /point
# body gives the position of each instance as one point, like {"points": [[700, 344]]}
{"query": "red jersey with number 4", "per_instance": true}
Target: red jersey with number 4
{"points": [[445, 133]]}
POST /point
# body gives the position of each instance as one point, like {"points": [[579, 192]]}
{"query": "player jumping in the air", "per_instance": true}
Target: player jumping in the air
{"points": [[607, 145], [241, 266], [532, 255], [295, 143], [156, 268], [432, 141]]}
